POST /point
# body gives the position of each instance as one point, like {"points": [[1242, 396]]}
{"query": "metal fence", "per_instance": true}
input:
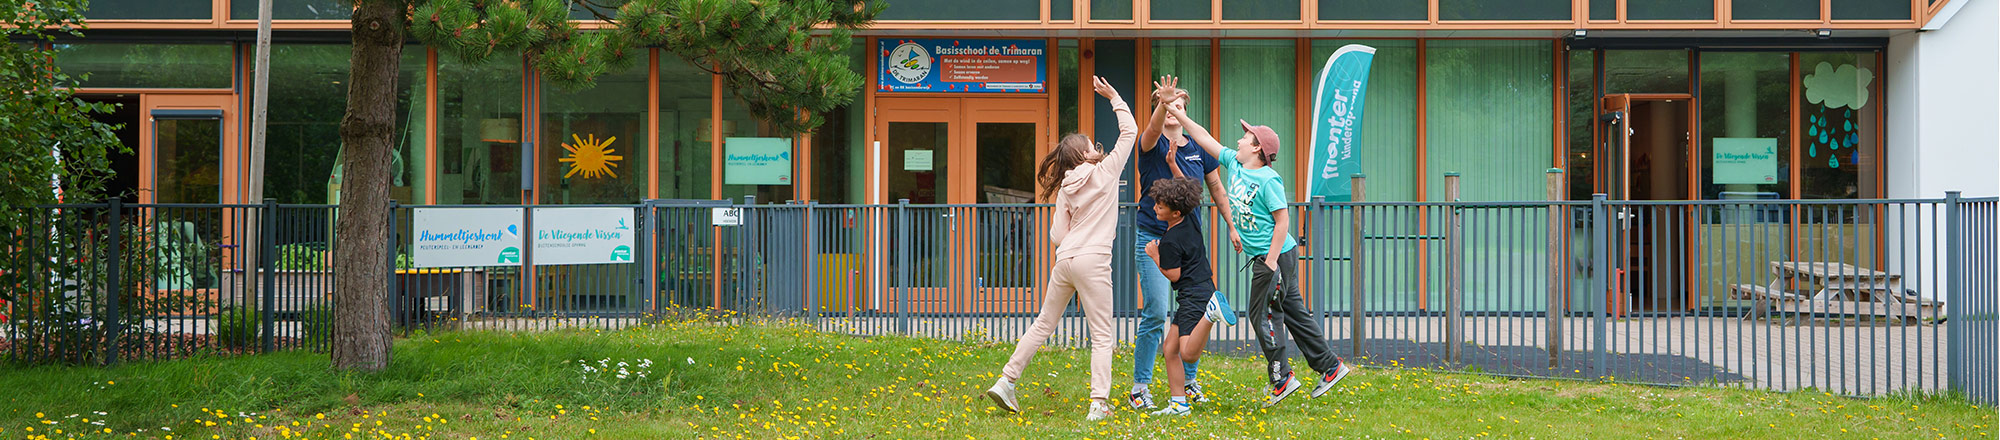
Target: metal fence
{"points": [[1856, 297]]}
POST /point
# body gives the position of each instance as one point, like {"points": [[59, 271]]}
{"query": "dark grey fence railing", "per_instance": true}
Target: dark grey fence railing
{"points": [[1856, 297]]}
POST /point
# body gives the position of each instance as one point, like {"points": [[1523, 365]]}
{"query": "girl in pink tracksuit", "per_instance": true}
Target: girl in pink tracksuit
{"points": [[1084, 183]]}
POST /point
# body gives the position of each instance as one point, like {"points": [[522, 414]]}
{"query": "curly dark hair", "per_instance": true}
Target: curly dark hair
{"points": [[1182, 195]]}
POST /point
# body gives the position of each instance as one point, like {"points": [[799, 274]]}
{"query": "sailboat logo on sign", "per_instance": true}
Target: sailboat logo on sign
{"points": [[910, 63]]}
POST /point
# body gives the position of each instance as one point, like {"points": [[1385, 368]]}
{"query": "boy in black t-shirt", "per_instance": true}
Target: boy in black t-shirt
{"points": [[1183, 258]]}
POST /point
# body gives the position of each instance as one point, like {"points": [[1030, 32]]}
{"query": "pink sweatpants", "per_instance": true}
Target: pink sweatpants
{"points": [[1088, 278]]}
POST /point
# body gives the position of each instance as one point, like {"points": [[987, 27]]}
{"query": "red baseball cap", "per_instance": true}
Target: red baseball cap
{"points": [[1266, 138]]}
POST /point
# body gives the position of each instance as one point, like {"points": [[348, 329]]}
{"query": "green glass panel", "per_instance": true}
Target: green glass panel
{"points": [[188, 160], [1645, 71], [1287, 10], [1188, 60], [1775, 10], [149, 10], [294, 9], [1745, 95], [1503, 9], [1070, 72], [839, 148], [1582, 111], [480, 130], [1604, 9], [1490, 114], [1259, 85], [1837, 119], [579, 11], [601, 131], [686, 99], [171, 66], [963, 10], [308, 87], [1354, 10], [1062, 10], [1111, 10], [1669, 10], [1181, 10], [1870, 10]]}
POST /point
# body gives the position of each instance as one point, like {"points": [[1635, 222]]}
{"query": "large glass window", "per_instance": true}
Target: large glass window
{"points": [[119, 65], [1259, 86], [1837, 117], [840, 145], [150, 10], [1645, 71], [1775, 10], [188, 160], [293, 9], [963, 10], [1352, 10], [1604, 9], [1745, 125], [1071, 74], [1490, 117], [1387, 148], [1062, 10], [1190, 61], [1503, 10], [302, 129], [685, 94], [479, 135], [738, 122], [1669, 10], [1260, 10], [593, 141], [1182, 9]]}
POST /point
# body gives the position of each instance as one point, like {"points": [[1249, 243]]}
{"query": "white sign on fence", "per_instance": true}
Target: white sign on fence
{"points": [[565, 236], [726, 217], [466, 237]]}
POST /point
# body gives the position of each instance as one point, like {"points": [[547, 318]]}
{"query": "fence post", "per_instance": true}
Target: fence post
{"points": [[113, 322], [1454, 272], [903, 266], [267, 247], [746, 245], [811, 229], [1955, 355], [649, 283], [1555, 274], [1600, 284], [1358, 308], [1312, 247]]}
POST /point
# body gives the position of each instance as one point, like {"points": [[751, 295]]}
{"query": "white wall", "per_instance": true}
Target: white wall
{"points": [[1944, 132], [1944, 106]]}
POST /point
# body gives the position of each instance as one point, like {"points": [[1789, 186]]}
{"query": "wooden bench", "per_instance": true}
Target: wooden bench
{"points": [[1903, 307], [1765, 298]]}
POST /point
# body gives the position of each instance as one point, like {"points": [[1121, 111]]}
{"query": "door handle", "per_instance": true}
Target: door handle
{"points": [[951, 225]]}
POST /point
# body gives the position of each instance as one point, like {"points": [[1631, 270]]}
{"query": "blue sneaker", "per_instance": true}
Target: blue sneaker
{"points": [[1218, 310]]}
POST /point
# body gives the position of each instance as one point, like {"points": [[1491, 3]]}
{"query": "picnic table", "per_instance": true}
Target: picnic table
{"points": [[1841, 289]]}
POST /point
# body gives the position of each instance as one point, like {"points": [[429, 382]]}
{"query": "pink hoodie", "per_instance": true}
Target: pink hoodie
{"points": [[1087, 204]]}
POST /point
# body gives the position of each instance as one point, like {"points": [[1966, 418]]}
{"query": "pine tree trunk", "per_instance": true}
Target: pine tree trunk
{"points": [[361, 310]]}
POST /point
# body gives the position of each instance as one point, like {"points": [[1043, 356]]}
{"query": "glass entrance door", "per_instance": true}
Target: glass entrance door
{"points": [[1647, 154], [186, 158]]}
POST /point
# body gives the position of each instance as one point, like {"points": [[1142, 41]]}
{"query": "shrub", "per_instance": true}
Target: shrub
{"points": [[237, 327], [303, 257]]}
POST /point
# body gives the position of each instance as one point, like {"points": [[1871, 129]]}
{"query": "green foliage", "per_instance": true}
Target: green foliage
{"points": [[764, 49], [238, 327], [39, 119], [302, 257]]}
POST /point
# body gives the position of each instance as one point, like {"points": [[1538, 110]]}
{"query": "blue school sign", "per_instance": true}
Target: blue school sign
{"points": [[953, 65]]}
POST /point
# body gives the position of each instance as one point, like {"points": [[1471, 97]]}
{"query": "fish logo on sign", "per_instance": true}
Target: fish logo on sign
{"points": [[910, 63]]}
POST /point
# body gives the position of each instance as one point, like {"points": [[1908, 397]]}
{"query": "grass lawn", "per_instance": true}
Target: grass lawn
{"points": [[769, 382]]}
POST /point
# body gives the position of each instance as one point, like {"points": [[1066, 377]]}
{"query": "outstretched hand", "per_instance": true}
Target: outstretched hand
{"points": [[1104, 88], [1166, 89]]}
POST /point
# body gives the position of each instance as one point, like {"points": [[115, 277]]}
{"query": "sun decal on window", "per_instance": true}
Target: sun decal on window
{"points": [[591, 157]]}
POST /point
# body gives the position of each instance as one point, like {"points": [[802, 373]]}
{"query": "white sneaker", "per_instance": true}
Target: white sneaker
{"points": [[1098, 411], [1194, 393], [1141, 400], [1174, 409], [1002, 394], [1326, 382]]}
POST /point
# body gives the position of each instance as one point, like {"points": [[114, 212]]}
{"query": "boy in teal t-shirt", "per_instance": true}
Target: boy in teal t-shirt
{"points": [[1263, 218]]}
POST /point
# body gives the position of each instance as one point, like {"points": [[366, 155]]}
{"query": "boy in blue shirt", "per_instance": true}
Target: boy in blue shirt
{"points": [[1263, 218]]}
